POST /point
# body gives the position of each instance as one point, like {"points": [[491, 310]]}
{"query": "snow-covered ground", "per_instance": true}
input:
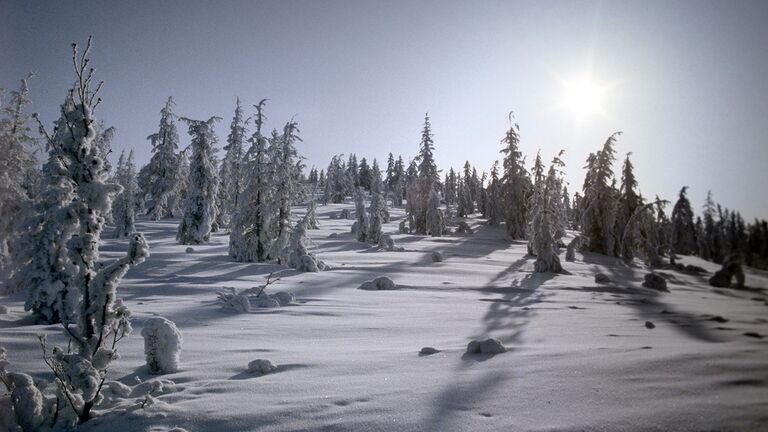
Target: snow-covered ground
{"points": [[579, 354]]}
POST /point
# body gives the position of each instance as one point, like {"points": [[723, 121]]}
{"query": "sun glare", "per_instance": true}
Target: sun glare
{"points": [[584, 97]]}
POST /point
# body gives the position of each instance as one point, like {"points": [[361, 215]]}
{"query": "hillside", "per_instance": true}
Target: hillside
{"points": [[579, 354]]}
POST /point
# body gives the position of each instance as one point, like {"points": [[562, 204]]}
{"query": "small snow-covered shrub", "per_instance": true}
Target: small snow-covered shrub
{"points": [[4, 310], [189, 250], [28, 402], [437, 256], [488, 346], [463, 228], [570, 251], [162, 345], [234, 301], [284, 298], [654, 281], [261, 366], [386, 242], [402, 228], [381, 283]]}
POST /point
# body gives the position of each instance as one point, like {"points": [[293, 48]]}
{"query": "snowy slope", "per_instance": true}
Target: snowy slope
{"points": [[579, 354]]}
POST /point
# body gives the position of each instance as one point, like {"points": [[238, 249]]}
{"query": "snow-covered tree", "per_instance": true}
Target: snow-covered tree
{"points": [[18, 170], [286, 166], [515, 183], [251, 236], [336, 184], [94, 318], [451, 191], [683, 229], [45, 271], [599, 202], [162, 180], [199, 206], [231, 175], [377, 184], [311, 215], [435, 219], [298, 256], [466, 205], [427, 180], [124, 206], [545, 219], [362, 223], [377, 217], [365, 176], [495, 204]]}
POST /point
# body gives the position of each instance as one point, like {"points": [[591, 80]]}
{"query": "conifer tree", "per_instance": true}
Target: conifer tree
{"points": [[93, 317], [124, 207], [200, 202], [365, 176], [377, 184], [231, 168], [683, 229], [426, 181], [544, 219], [18, 170], [629, 202], [515, 183], [162, 180], [599, 203], [251, 237], [495, 206], [451, 191], [362, 223]]}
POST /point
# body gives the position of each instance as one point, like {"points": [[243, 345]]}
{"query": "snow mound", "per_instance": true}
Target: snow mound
{"points": [[284, 298], [654, 281], [437, 256], [261, 366], [4, 310], [119, 389], [190, 250], [602, 278], [381, 283], [488, 346], [162, 345], [428, 351], [334, 235]]}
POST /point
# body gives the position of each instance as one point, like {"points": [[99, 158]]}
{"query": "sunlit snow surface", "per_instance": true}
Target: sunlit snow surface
{"points": [[579, 356]]}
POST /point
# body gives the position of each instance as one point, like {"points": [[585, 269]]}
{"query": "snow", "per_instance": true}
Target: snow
{"points": [[579, 356]]}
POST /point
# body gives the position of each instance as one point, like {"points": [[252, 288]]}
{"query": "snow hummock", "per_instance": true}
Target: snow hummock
{"points": [[261, 366], [381, 283], [487, 346]]}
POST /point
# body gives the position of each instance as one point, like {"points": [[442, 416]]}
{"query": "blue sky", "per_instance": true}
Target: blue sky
{"points": [[687, 79]]}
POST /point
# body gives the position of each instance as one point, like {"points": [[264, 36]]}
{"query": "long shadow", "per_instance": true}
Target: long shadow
{"points": [[485, 240], [647, 304], [506, 320]]}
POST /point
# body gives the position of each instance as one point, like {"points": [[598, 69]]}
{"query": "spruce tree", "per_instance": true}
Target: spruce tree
{"points": [[515, 183], [18, 171], [200, 202], [231, 174], [124, 207], [251, 237], [599, 202], [683, 228]]}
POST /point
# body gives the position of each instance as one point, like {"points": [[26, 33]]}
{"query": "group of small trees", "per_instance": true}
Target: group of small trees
{"points": [[270, 176]]}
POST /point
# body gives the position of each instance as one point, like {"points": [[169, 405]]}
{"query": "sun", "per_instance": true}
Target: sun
{"points": [[583, 96]]}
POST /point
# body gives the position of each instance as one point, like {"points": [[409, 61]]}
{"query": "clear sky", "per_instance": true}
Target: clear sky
{"points": [[687, 82]]}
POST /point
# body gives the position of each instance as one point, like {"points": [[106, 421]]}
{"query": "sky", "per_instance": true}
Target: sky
{"points": [[687, 82]]}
